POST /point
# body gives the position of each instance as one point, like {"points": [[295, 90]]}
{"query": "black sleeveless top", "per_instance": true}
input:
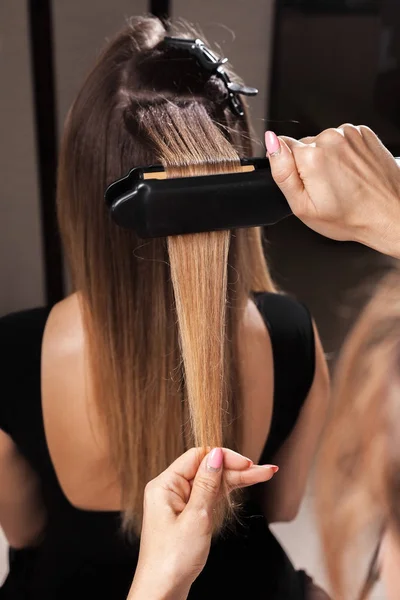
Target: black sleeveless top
{"points": [[83, 554]]}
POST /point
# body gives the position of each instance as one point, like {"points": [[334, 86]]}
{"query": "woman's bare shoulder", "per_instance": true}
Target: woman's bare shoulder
{"points": [[252, 325], [63, 373], [64, 328]]}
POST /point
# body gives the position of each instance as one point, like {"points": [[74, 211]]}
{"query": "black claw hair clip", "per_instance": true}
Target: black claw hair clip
{"points": [[211, 63]]}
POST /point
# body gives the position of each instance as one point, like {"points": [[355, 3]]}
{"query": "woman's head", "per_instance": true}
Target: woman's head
{"points": [[160, 315], [358, 484]]}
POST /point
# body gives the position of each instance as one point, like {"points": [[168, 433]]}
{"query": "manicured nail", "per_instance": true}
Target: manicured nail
{"points": [[272, 143], [214, 459], [241, 455], [273, 468]]}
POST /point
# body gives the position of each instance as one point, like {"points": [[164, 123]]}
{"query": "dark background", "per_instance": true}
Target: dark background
{"points": [[334, 62]]}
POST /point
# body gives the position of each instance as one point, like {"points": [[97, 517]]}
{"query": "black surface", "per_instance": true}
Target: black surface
{"points": [[160, 9], [41, 41], [159, 208]]}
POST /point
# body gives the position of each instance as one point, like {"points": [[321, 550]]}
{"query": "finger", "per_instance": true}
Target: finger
{"points": [[352, 134], [360, 137], [330, 137], [207, 483], [292, 143], [370, 137], [187, 464], [350, 129], [234, 460], [252, 475], [310, 139], [367, 132], [283, 167]]}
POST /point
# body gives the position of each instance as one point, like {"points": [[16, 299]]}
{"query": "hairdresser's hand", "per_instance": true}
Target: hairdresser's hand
{"points": [[178, 517], [342, 183]]}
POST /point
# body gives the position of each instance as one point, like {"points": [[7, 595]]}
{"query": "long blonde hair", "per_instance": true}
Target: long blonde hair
{"points": [[358, 475], [160, 315]]}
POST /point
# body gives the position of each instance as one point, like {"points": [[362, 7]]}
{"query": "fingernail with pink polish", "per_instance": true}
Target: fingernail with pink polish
{"points": [[272, 143], [273, 468], [215, 459]]}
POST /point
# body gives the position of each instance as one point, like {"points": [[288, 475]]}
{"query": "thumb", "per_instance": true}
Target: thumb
{"points": [[283, 166], [207, 482]]}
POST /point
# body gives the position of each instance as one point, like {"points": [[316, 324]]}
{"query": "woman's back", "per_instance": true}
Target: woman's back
{"points": [[76, 442], [86, 547]]}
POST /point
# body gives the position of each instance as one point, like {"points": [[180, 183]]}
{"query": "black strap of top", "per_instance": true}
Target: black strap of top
{"points": [[293, 344]]}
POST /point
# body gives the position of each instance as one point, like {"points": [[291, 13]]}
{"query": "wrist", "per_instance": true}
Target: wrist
{"points": [[383, 234], [390, 247], [149, 584]]}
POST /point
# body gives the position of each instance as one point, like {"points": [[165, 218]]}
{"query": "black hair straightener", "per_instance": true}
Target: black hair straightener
{"points": [[154, 206]]}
